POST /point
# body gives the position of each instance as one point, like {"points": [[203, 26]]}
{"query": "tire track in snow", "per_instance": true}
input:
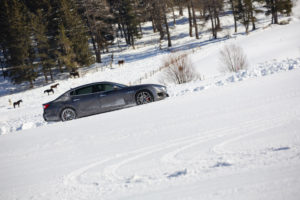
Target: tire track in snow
{"points": [[171, 156], [74, 176], [180, 144], [111, 171], [176, 146], [73, 180], [267, 125]]}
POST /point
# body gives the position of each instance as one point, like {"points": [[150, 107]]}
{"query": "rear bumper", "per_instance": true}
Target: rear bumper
{"points": [[48, 117]]}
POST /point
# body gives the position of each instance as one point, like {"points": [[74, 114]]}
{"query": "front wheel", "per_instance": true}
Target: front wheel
{"points": [[143, 97], [68, 114]]}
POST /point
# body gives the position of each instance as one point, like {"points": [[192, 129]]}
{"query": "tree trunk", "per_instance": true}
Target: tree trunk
{"points": [[194, 20], [132, 41], [180, 11], [190, 21], [31, 83], [140, 28], [234, 16], [125, 33], [120, 30], [218, 24], [97, 51], [45, 75], [60, 66], [51, 74], [253, 21], [153, 25], [3, 72], [213, 29], [167, 28], [274, 11]]}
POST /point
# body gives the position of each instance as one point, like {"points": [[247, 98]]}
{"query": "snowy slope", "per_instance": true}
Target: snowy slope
{"points": [[229, 136], [262, 47], [240, 141]]}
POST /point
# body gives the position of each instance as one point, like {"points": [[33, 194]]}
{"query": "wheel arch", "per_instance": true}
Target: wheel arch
{"points": [[144, 90], [65, 107]]}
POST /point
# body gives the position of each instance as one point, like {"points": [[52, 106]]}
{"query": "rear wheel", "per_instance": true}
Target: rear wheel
{"points": [[68, 114], [143, 97]]}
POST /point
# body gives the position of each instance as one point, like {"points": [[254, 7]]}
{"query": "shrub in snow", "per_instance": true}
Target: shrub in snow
{"points": [[178, 69], [232, 58]]}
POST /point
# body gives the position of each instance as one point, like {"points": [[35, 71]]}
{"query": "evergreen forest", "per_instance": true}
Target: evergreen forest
{"points": [[44, 38]]}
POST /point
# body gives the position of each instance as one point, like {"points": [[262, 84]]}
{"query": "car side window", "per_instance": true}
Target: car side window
{"points": [[83, 91], [108, 87], [99, 88]]}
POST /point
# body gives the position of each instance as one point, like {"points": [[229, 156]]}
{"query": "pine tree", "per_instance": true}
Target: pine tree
{"points": [[99, 21], [278, 6], [75, 30], [45, 54], [66, 55], [128, 22], [18, 43]]}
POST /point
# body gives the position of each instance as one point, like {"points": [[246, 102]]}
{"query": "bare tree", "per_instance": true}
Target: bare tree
{"points": [[98, 19], [179, 70], [232, 58], [212, 9]]}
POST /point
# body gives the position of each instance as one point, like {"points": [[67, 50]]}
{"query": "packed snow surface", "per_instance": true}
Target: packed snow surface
{"points": [[228, 136], [239, 141]]}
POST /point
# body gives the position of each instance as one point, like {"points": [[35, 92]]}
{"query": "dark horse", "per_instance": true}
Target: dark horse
{"points": [[17, 103], [49, 90], [121, 62], [74, 74]]}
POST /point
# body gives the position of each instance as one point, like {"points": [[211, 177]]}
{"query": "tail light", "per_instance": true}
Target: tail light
{"points": [[46, 106]]}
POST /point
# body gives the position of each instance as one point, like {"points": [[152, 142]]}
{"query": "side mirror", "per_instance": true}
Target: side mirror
{"points": [[116, 87]]}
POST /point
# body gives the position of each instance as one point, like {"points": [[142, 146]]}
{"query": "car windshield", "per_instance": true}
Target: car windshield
{"points": [[120, 85]]}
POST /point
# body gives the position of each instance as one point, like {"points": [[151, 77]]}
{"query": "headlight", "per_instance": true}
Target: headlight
{"points": [[162, 88]]}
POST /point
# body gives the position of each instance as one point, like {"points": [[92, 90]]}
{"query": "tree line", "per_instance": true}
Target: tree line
{"points": [[48, 37]]}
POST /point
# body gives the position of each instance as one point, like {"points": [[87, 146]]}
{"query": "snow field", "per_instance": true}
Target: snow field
{"points": [[230, 136], [238, 141]]}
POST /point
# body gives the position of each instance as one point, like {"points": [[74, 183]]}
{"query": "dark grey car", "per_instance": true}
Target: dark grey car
{"points": [[100, 97]]}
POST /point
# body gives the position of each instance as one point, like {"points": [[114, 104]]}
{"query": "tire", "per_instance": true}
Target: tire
{"points": [[67, 114], [143, 97]]}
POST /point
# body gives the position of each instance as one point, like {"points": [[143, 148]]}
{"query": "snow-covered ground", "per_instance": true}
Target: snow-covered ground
{"points": [[229, 136]]}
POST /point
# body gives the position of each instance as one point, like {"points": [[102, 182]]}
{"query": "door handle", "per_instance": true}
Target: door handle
{"points": [[102, 95], [76, 100]]}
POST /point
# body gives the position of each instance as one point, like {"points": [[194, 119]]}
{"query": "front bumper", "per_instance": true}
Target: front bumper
{"points": [[162, 95]]}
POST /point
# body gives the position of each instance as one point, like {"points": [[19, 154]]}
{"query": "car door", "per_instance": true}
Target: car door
{"points": [[85, 101], [110, 97]]}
